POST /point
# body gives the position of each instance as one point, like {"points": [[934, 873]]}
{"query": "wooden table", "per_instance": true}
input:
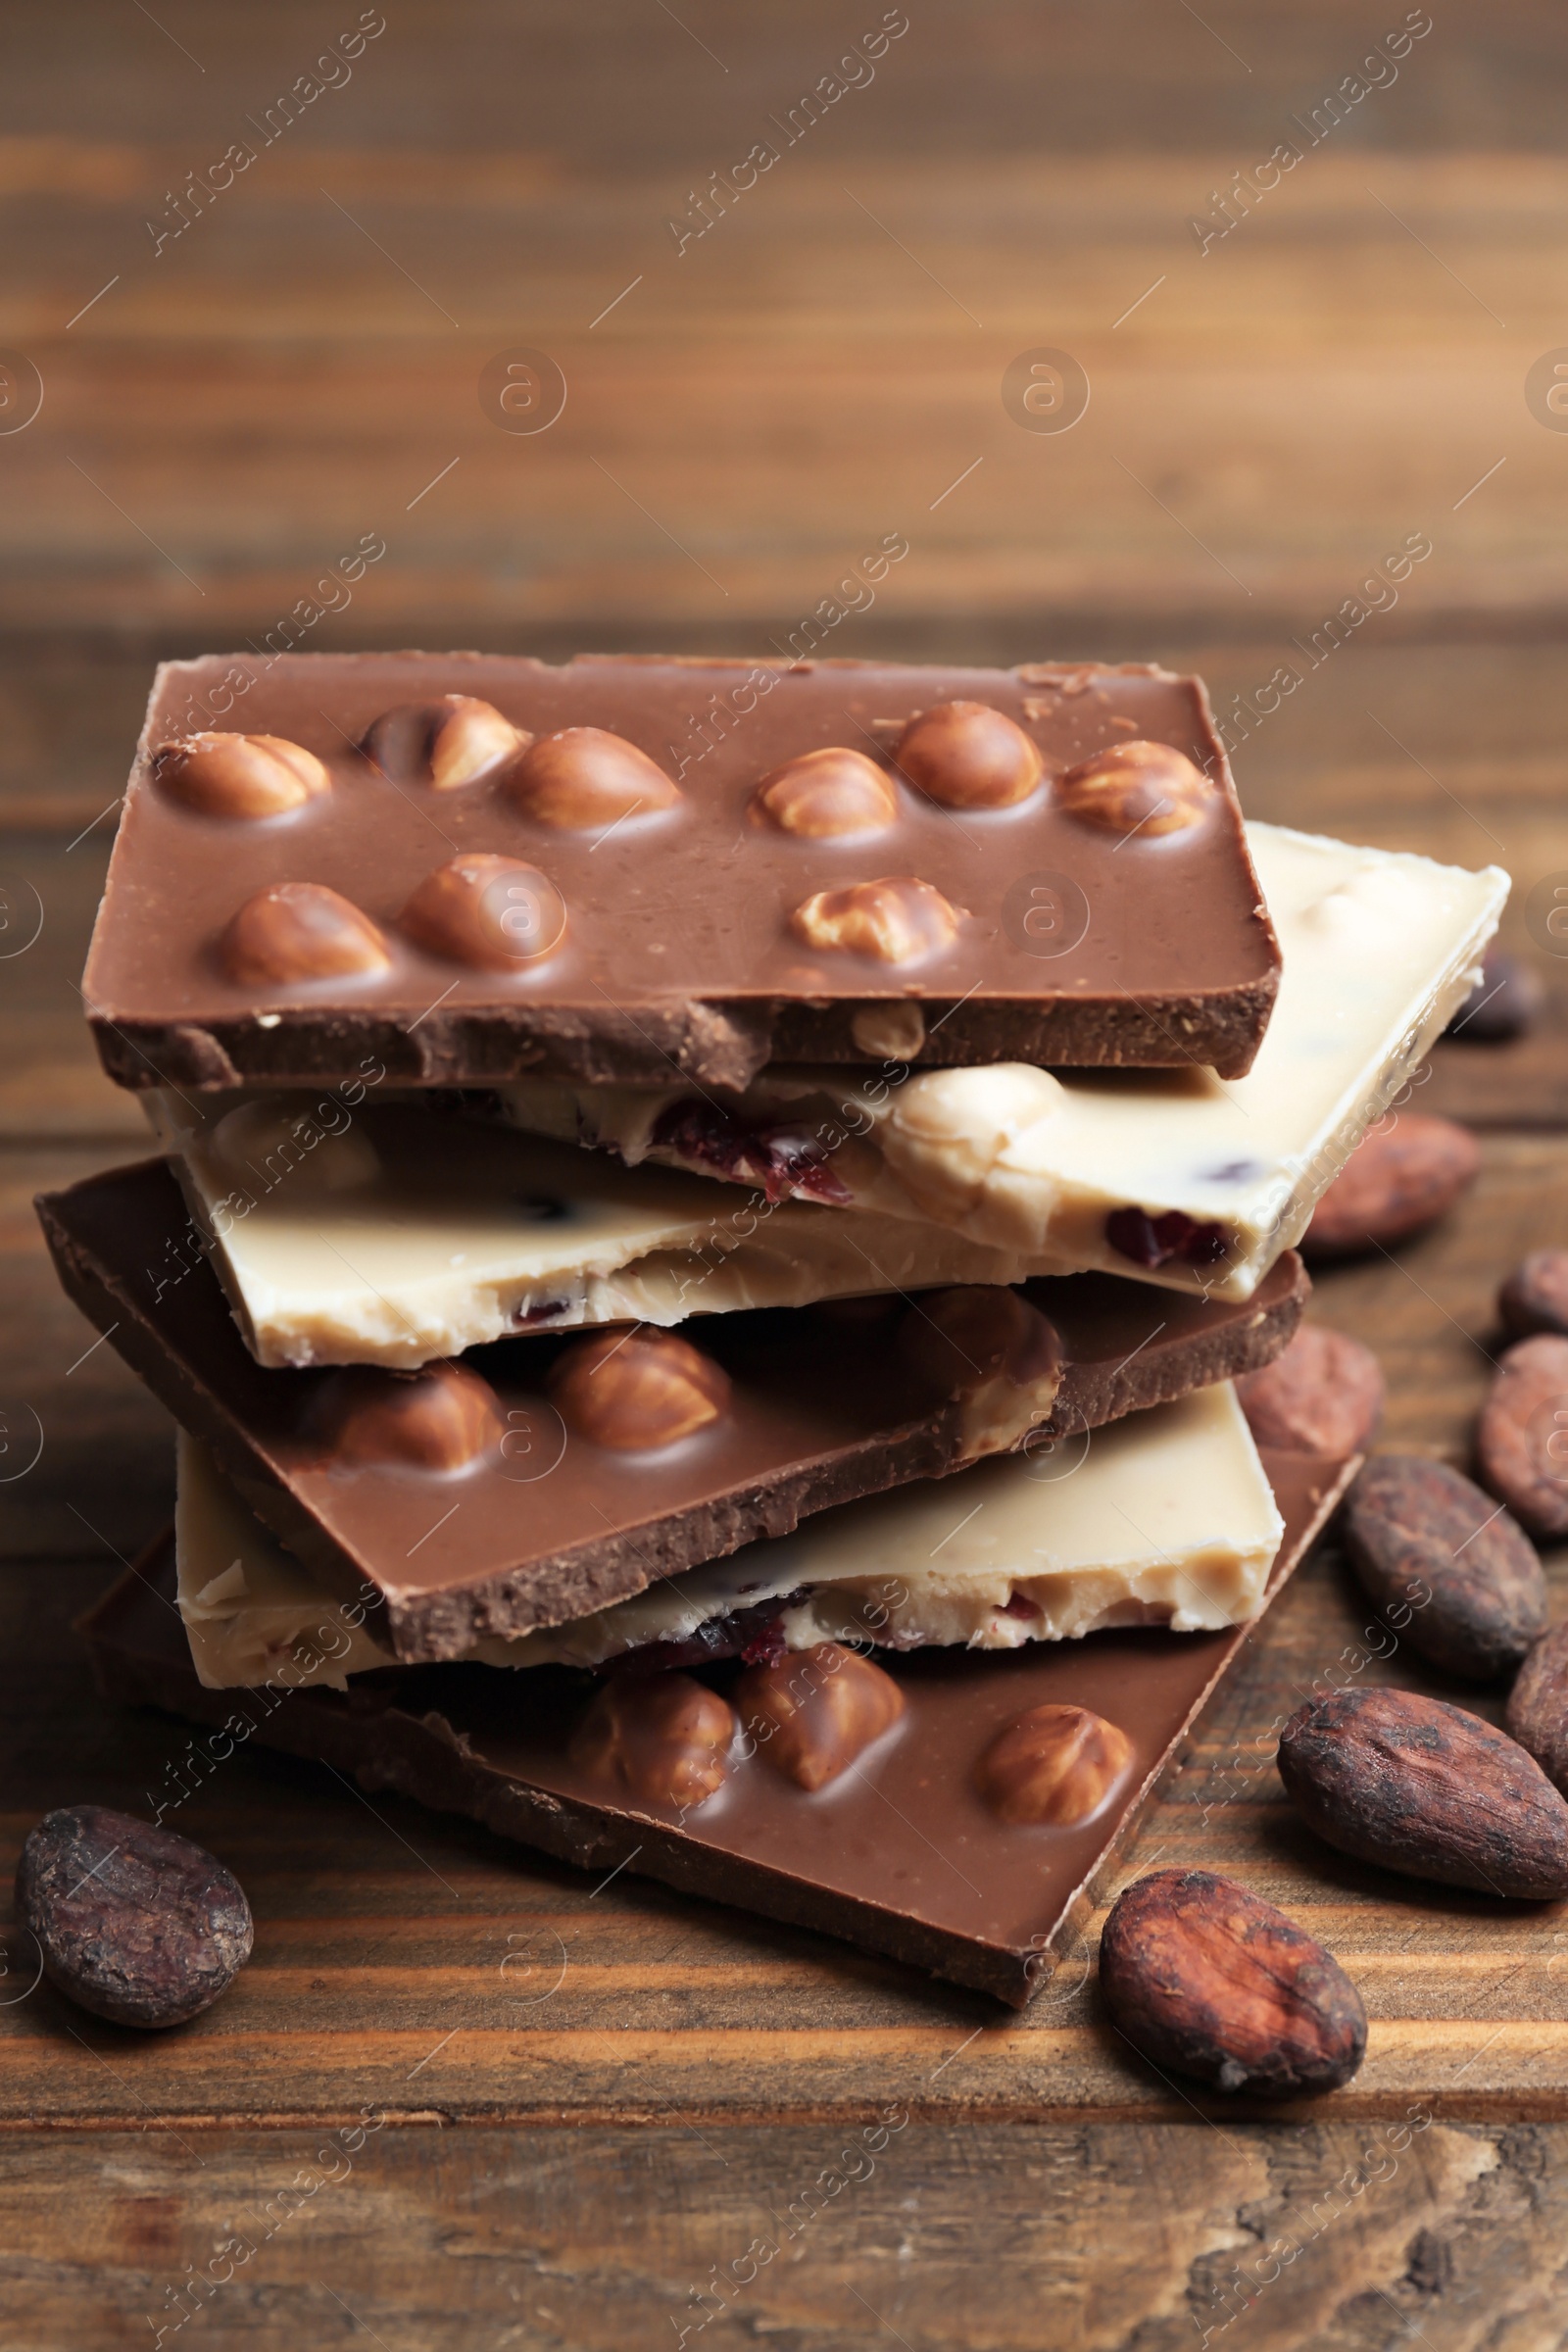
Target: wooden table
{"points": [[595, 2110]]}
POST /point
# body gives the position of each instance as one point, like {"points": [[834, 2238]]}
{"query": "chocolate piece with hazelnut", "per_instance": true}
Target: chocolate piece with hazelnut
{"points": [[300, 931], [969, 756], [636, 1390], [584, 777], [442, 1417], [813, 1711], [964, 1338], [1053, 1764], [445, 744], [825, 794], [1138, 787], [898, 920], [239, 775], [494, 912], [662, 1737]]}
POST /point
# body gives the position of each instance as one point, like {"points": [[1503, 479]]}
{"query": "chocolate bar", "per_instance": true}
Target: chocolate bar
{"points": [[1194, 1181], [384, 1231], [459, 869], [909, 1851], [1165, 1517], [545, 1478]]}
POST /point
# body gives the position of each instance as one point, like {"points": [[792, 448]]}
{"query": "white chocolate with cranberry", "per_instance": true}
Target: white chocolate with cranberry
{"points": [[1380, 949], [393, 1234], [1164, 1518]]}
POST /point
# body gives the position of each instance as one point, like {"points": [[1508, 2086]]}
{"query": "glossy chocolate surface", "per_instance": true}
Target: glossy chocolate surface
{"points": [[824, 1404], [900, 1855], [1077, 944]]}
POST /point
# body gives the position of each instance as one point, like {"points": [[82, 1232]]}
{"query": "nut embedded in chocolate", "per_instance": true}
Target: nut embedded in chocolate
{"points": [[1206, 1979], [1139, 787], [1453, 1575], [898, 920], [301, 931], [636, 1390], [1422, 1788], [496, 913], [1538, 1706], [968, 755], [1322, 1396], [239, 775], [1522, 1438], [584, 777], [439, 1418], [826, 793], [1053, 1764], [1535, 1297], [662, 1737], [445, 744], [814, 1712], [1398, 1178], [963, 1338], [134, 1923]]}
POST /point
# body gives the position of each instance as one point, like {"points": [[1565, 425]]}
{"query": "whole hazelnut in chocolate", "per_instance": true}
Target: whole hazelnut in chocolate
{"points": [[823, 793], [447, 742], [441, 1417], [239, 775], [1139, 787], [497, 913], [634, 1390], [968, 755], [662, 1737], [898, 920], [584, 777], [813, 1711], [300, 931], [1055, 1764], [963, 1339]]}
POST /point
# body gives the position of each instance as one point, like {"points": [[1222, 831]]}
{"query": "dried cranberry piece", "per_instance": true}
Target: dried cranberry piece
{"points": [[1154, 1241], [778, 1159], [755, 1634]]}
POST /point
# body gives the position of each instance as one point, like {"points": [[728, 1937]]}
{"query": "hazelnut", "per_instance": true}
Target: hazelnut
{"points": [[898, 920], [813, 1711], [445, 743], [963, 1339], [441, 1417], [1053, 1764], [239, 775], [968, 755], [662, 1737], [1140, 787], [636, 1390], [301, 931], [479, 909], [584, 776], [826, 793]]}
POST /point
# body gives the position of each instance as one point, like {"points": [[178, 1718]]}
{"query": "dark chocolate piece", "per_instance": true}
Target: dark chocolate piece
{"points": [[816, 1405], [650, 884], [902, 1854]]}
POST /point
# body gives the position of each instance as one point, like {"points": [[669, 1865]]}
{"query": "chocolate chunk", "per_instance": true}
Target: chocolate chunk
{"points": [[1451, 1574], [1400, 1177], [1522, 1438], [1425, 1788], [134, 1924], [1323, 1395], [1502, 1004], [636, 786], [1538, 1706], [1535, 1296], [1053, 1764], [1209, 1980], [812, 1713]]}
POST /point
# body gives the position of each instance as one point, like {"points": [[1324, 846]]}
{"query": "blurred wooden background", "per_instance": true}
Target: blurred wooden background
{"points": [[227, 414]]}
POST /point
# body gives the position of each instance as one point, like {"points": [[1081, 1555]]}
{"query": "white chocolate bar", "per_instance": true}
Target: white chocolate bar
{"points": [[1164, 1518], [1380, 948], [390, 1233]]}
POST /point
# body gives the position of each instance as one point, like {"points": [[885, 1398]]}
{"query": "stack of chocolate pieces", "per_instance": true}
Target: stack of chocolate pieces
{"points": [[711, 1215]]}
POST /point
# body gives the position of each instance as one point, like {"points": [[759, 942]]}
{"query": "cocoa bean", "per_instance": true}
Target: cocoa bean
{"points": [[1503, 1002], [1535, 1297], [1452, 1575], [1538, 1706], [1398, 1178], [1323, 1396], [1522, 1438], [1203, 1976], [1422, 1788], [134, 1923]]}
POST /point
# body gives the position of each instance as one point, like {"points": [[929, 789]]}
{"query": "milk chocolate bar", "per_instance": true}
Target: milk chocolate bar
{"points": [[457, 868], [1196, 1181], [544, 1477], [908, 1851]]}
